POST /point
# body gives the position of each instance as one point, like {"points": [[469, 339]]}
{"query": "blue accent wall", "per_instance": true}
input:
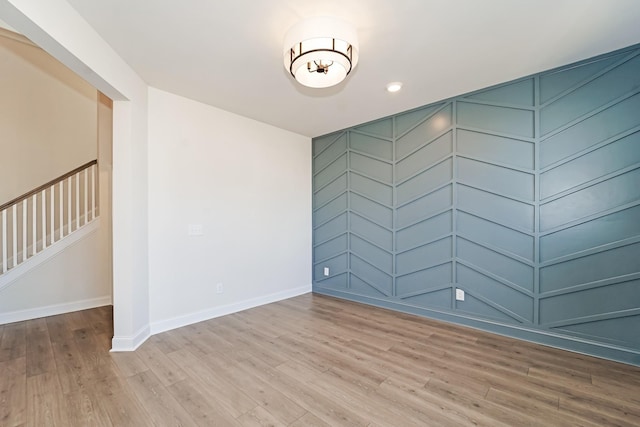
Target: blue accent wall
{"points": [[525, 195]]}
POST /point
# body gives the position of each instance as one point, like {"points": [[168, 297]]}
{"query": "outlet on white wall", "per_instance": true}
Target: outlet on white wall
{"points": [[219, 288], [195, 230]]}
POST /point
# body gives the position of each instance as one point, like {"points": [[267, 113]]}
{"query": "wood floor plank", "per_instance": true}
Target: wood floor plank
{"points": [[600, 411], [119, 401], [83, 410], [467, 406], [324, 407], [619, 388], [176, 339], [75, 320], [200, 343], [383, 342], [94, 355], [38, 348], [165, 369], [615, 373], [256, 322], [58, 329], [160, 341], [431, 407], [242, 343], [310, 353], [541, 412], [161, 406], [129, 363], [13, 392], [277, 404], [343, 361], [472, 350], [376, 359], [287, 321], [365, 403], [45, 401], [307, 361], [563, 375], [204, 337], [201, 404], [71, 372], [261, 346], [260, 417], [465, 372], [100, 319], [234, 400], [309, 420]]}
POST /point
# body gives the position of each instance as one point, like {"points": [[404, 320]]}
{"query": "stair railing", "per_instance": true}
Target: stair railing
{"points": [[45, 215]]}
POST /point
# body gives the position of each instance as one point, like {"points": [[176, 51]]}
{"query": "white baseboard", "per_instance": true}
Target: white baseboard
{"points": [[132, 342], [53, 310], [200, 316]]}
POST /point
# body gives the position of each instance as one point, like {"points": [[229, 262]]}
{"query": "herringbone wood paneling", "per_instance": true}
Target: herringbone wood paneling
{"points": [[525, 195]]}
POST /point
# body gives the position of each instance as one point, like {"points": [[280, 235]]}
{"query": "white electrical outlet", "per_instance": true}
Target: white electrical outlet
{"points": [[459, 295], [219, 288], [326, 271]]}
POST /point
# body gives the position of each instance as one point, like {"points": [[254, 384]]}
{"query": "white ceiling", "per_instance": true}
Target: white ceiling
{"points": [[228, 53]]}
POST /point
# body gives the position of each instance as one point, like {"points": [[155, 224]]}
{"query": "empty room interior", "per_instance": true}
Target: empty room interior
{"points": [[336, 213]]}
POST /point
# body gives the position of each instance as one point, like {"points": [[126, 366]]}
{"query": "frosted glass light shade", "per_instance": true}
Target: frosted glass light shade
{"points": [[320, 52]]}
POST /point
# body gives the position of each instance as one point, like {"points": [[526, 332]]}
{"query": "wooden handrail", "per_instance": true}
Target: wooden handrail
{"points": [[47, 185]]}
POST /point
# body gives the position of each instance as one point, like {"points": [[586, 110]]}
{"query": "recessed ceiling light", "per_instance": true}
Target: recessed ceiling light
{"points": [[394, 87]]}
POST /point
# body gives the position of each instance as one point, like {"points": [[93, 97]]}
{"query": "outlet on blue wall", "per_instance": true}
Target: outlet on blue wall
{"points": [[526, 196]]}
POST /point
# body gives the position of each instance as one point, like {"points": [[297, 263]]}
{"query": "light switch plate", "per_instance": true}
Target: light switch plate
{"points": [[459, 295]]}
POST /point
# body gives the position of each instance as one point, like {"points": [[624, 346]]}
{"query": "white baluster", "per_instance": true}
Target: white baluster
{"points": [[4, 241], [25, 226], [20, 233], [77, 176], [86, 194], [53, 214], [61, 202], [44, 219], [34, 224], [93, 192], [69, 220], [14, 234]]}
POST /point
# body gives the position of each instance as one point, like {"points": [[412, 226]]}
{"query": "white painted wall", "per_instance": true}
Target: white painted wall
{"points": [[257, 227], [75, 279], [249, 185], [49, 122], [47, 117], [105, 171], [56, 27]]}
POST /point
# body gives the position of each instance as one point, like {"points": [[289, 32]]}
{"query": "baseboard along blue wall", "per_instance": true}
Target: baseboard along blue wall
{"points": [[526, 196]]}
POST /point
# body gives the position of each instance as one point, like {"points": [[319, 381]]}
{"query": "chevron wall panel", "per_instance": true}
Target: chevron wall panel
{"points": [[525, 195]]}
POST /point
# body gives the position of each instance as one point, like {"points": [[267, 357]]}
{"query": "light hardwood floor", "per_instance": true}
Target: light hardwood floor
{"points": [[307, 361]]}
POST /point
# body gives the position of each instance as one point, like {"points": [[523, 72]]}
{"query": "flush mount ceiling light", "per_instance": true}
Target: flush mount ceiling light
{"points": [[320, 52]]}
